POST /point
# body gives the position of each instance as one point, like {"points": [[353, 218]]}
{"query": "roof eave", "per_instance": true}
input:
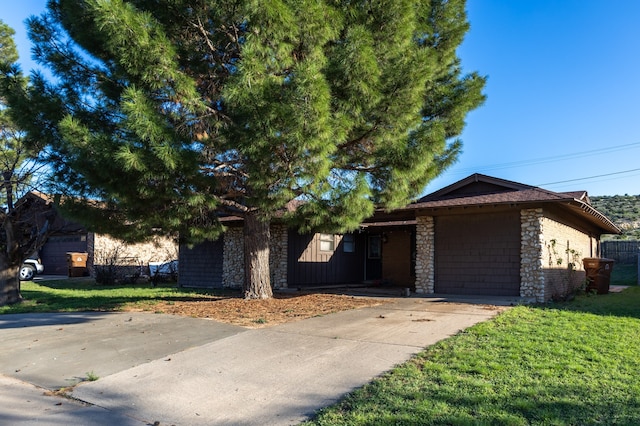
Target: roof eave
{"points": [[599, 218], [579, 206]]}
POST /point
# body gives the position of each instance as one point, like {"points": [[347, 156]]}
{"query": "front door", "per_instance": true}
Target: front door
{"points": [[374, 257], [398, 262]]}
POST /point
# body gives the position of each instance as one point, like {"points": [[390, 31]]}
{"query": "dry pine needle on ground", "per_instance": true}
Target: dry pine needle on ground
{"points": [[261, 313]]}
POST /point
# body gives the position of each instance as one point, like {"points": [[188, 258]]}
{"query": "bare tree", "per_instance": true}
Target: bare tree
{"points": [[26, 217]]}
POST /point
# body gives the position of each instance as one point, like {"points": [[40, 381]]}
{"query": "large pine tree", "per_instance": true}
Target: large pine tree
{"points": [[172, 112]]}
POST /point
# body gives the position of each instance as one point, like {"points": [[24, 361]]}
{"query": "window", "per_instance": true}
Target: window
{"points": [[375, 246], [348, 243], [327, 242]]}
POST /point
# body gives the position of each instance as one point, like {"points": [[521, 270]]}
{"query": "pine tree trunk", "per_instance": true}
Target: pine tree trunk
{"points": [[9, 283], [257, 282]]}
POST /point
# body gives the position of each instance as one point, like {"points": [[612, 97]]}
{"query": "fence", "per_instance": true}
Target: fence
{"points": [[621, 251], [624, 253]]}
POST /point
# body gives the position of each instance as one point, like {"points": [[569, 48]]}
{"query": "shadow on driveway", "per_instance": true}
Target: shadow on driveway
{"points": [[61, 349], [45, 319]]}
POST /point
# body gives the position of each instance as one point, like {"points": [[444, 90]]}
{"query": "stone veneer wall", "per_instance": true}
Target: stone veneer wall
{"points": [[425, 239], [103, 249], [531, 258], [233, 257]]}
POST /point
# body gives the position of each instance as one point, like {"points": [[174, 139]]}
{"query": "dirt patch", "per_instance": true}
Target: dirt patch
{"points": [[259, 313]]}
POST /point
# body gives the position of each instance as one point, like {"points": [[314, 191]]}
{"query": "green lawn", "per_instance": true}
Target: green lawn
{"points": [[575, 363], [85, 295]]}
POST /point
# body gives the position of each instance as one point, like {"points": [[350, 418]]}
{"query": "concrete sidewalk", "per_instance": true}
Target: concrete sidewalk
{"points": [[217, 374]]}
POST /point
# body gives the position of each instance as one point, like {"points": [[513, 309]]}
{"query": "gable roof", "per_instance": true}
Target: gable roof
{"points": [[479, 189], [60, 225], [474, 185], [482, 190]]}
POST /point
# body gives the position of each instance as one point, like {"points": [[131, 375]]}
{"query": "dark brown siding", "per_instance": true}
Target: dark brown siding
{"points": [[201, 266], [478, 254], [54, 252], [396, 257], [308, 265]]}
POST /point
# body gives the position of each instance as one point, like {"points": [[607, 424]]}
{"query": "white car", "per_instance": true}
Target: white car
{"points": [[29, 269], [163, 268]]}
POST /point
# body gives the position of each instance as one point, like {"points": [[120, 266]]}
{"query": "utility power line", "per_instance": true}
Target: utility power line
{"points": [[589, 177], [554, 158]]}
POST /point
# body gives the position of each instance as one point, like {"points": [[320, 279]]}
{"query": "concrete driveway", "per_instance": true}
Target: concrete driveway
{"points": [[186, 371]]}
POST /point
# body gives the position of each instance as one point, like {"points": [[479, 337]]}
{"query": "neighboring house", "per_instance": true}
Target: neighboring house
{"points": [[479, 236], [62, 231], [71, 237], [104, 250]]}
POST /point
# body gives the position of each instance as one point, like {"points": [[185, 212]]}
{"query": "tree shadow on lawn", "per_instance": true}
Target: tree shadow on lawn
{"points": [[623, 304], [169, 288], [79, 296], [199, 294]]}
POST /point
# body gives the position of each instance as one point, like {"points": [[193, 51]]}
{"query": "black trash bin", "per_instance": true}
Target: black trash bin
{"points": [[598, 271]]}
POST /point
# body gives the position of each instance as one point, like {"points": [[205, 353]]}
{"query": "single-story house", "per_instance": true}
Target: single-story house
{"points": [[71, 237], [103, 250], [479, 236]]}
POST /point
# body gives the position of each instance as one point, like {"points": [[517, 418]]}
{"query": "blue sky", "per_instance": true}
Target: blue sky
{"points": [[562, 94]]}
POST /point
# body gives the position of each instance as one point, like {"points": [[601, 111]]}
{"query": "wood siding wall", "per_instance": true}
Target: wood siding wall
{"points": [[478, 254], [308, 265], [201, 266]]}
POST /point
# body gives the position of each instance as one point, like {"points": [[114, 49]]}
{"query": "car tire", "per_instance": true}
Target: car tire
{"points": [[27, 273]]}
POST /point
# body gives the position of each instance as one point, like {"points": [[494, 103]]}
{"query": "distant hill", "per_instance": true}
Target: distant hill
{"points": [[624, 211]]}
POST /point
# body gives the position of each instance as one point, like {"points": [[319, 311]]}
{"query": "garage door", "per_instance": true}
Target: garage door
{"points": [[54, 252], [478, 254]]}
